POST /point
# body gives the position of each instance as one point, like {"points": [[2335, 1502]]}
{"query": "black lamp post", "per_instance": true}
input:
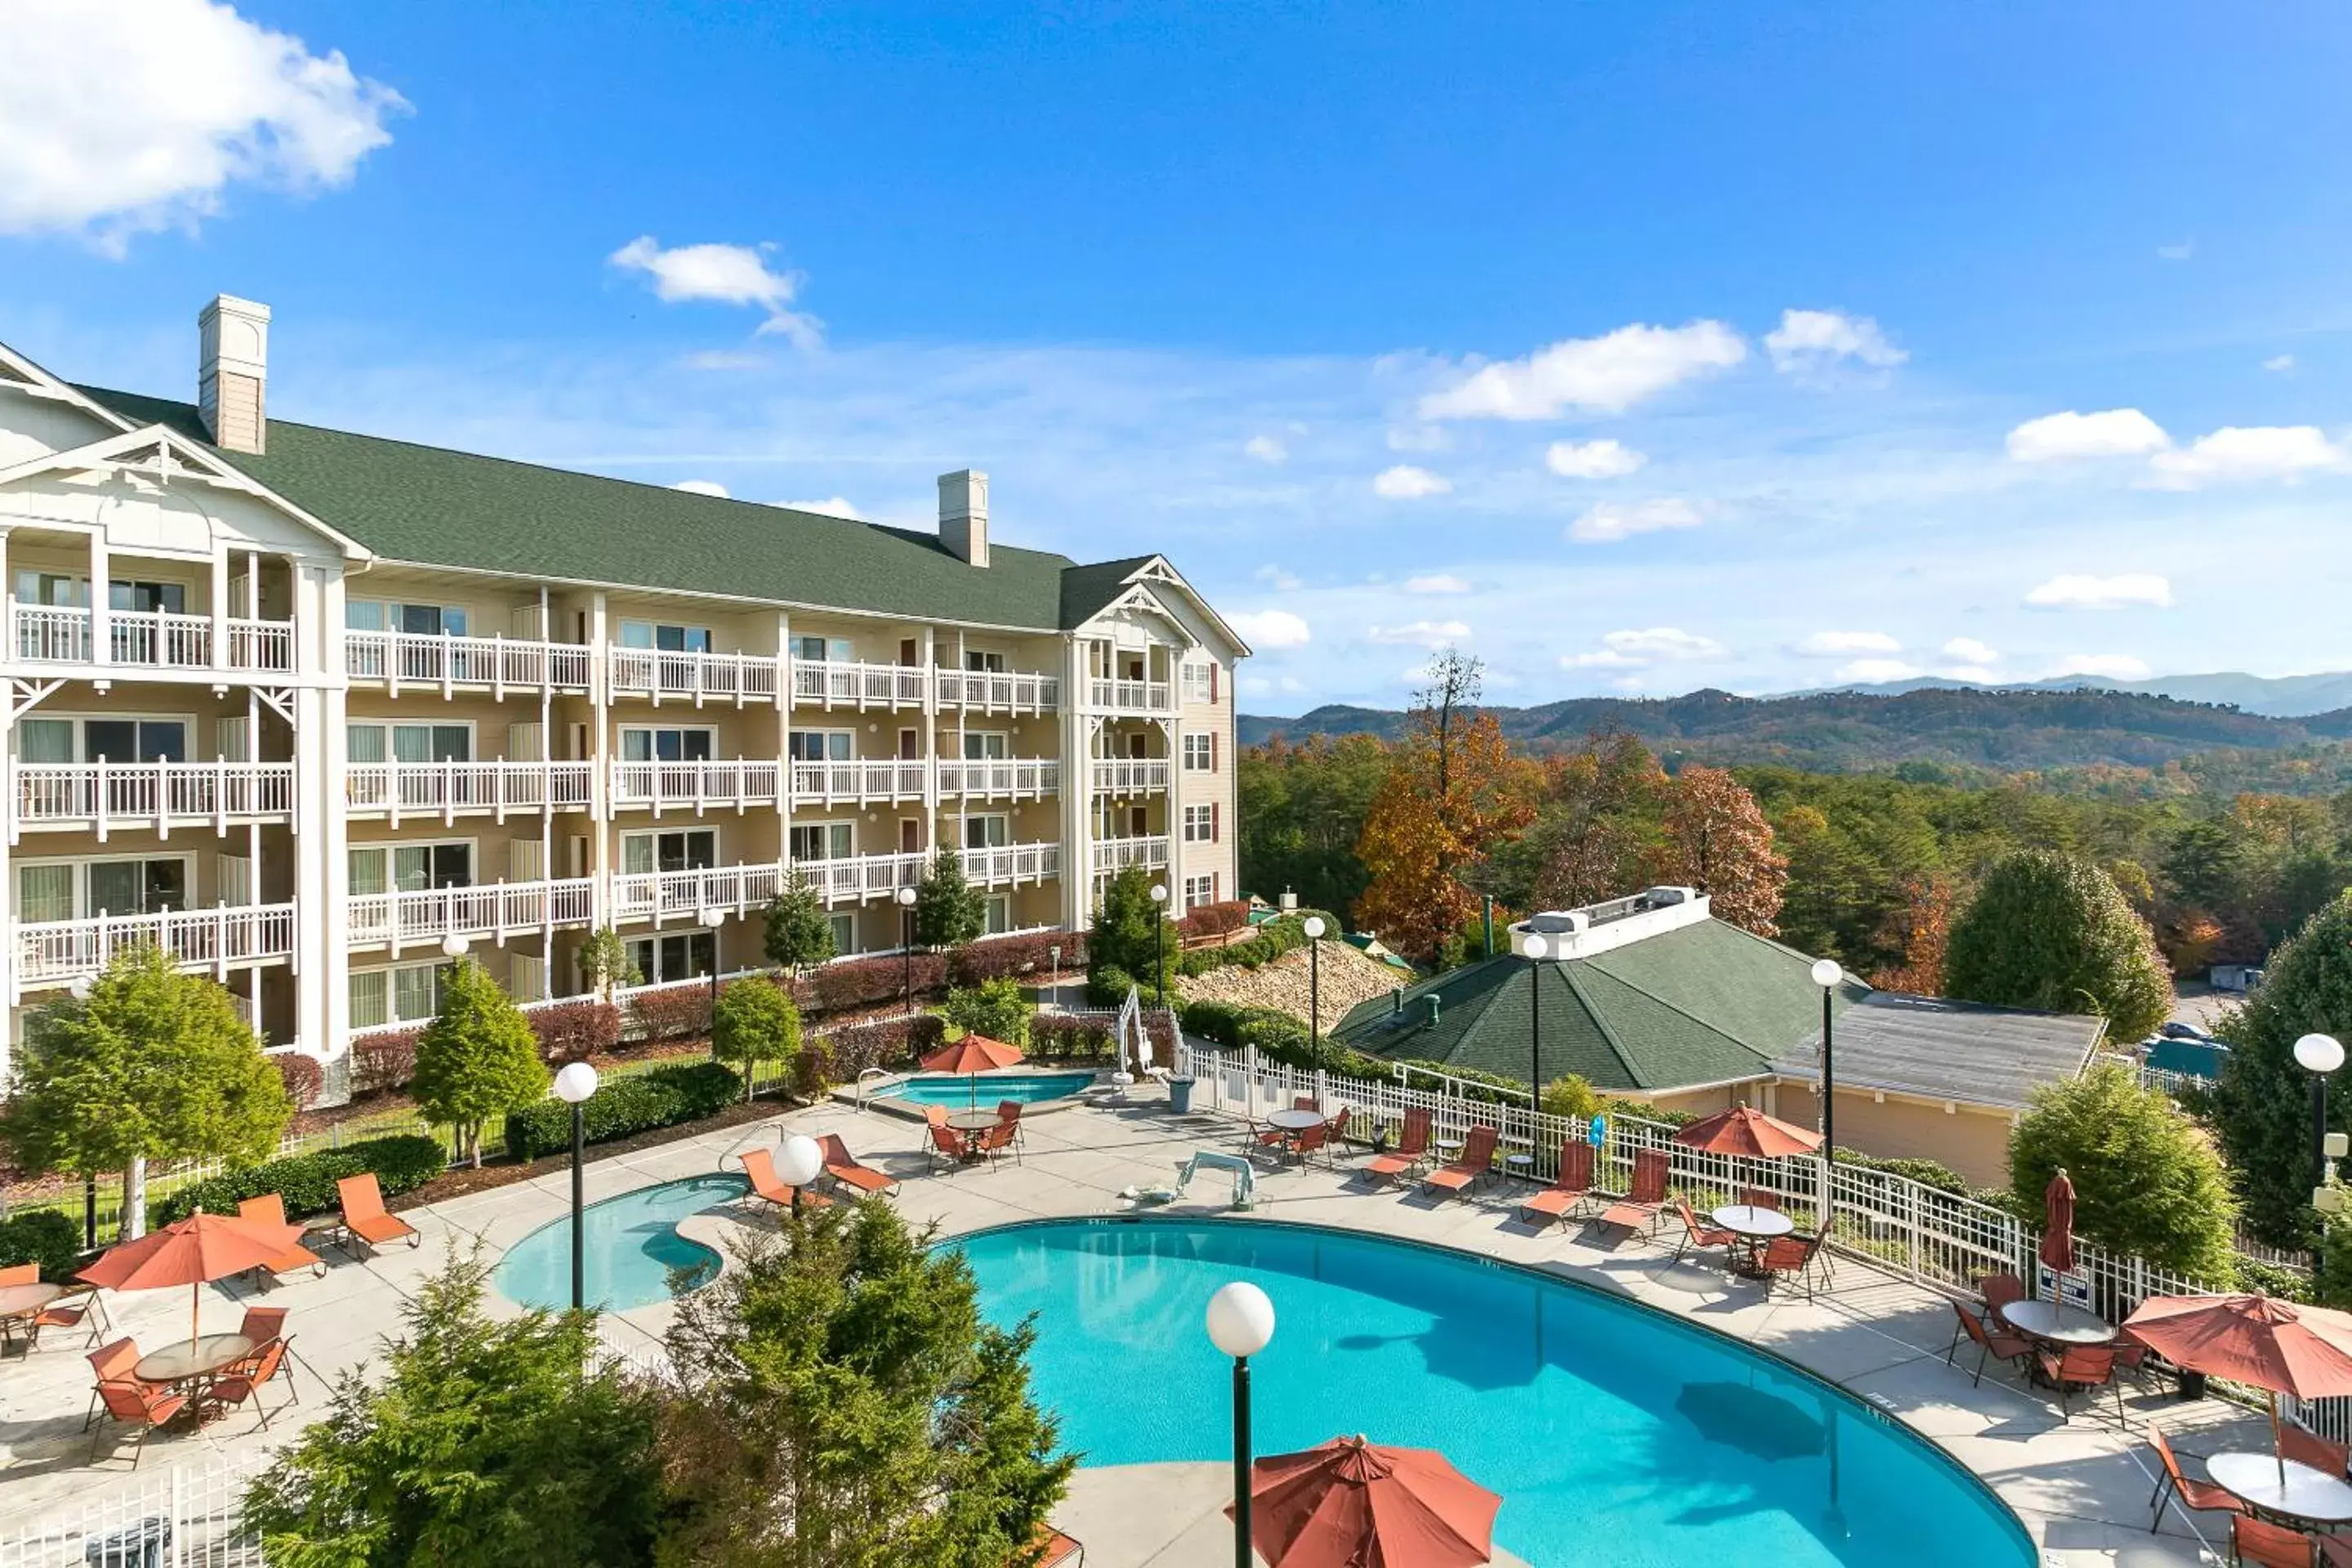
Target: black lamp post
{"points": [[906, 897], [574, 1086], [1240, 1325], [2318, 1055], [1314, 929], [1537, 949], [1827, 975], [1159, 952]]}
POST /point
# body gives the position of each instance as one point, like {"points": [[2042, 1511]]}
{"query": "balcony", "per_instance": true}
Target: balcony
{"points": [[447, 790], [51, 953], [424, 916], [1119, 853], [697, 678], [103, 796], [832, 783], [999, 692], [1011, 865], [743, 890], [695, 786], [1130, 775], [1018, 778], [1151, 697], [153, 640], [448, 664], [831, 684]]}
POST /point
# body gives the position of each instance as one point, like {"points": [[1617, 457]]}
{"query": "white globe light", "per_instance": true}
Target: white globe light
{"points": [[1158, 893], [905, 896], [1534, 946], [80, 988], [453, 946], [713, 917], [1826, 972], [1241, 1320], [799, 1161], [1315, 928], [576, 1083], [2319, 1053]]}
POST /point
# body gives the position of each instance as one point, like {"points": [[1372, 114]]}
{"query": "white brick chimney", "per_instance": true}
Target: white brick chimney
{"points": [[233, 372], [964, 515]]}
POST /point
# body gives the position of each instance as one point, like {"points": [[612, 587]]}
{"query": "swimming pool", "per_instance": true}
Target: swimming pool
{"points": [[986, 1088], [629, 1244], [1615, 1433]]}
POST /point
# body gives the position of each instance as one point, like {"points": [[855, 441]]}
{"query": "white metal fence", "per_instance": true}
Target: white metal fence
{"points": [[194, 1510]]}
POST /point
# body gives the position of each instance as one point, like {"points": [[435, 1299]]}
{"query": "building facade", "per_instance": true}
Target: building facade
{"points": [[343, 698]]}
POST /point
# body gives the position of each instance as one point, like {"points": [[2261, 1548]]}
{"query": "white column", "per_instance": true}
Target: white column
{"points": [[333, 833], [1077, 788], [318, 918], [101, 603], [220, 608], [599, 784], [926, 654]]}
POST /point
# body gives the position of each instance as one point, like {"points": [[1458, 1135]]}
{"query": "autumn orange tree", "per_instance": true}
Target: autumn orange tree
{"points": [[1453, 792], [1599, 821], [1718, 842], [1922, 929]]}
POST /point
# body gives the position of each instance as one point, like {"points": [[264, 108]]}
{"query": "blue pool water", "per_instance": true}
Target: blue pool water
{"points": [[1615, 1434], [987, 1089], [630, 1244]]}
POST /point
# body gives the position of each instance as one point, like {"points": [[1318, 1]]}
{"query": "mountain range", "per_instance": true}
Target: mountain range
{"points": [[2279, 697]]}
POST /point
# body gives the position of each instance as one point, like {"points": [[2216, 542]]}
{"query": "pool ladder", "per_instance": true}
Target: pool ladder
{"points": [[863, 1075]]}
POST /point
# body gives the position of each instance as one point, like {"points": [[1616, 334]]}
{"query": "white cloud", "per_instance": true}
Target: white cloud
{"points": [[2279, 362], [1284, 581], [1420, 634], [1268, 449], [726, 275], [1606, 375], [1640, 649], [2077, 591], [1872, 671], [2249, 452], [1607, 523], [1969, 650], [1437, 582], [1811, 339], [701, 488], [1267, 629], [1844, 645], [1591, 460], [831, 506], [2180, 252], [119, 120], [2107, 666], [2115, 433], [1406, 482]]}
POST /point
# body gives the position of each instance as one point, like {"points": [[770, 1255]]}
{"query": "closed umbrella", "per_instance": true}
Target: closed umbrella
{"points": [[2255, 1340], [972, 1055], [2058, 1224], [1349, 1503], [192, 1252]]}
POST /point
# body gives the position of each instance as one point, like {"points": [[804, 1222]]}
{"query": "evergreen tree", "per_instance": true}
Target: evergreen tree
{"points": [[605, 962], [994, 1008], [1122, 937], [2261, 1108], [949, 910], [799, 931], [2147, 1182], [2053, 932], [154, 1064], [477, 1058], [755, 1022]]}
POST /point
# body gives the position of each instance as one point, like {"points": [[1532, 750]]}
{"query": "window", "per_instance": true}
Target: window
{"points": [[60, 589], [64, 740], [823, 650], [990, 831], [64, 890], [821, 745], [170, 598], [681, 745], [410, 994], [845, 933], [1200, 823], [409, 742], [823, 841], [1200, 681], [418, 620], [411, 868], [1000, 914], [1199, 890], [675, 955], [680, 850], [1200, 753], [993, 663], [664, 640], [53, 589], [986, 745]]}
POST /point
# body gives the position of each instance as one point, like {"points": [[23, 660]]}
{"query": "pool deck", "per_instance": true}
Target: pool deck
{"points": [[2082, 1488]]}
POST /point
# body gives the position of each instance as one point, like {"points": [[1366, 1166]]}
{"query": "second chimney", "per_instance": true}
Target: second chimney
{"points": [[964, 515], [233, 372]]}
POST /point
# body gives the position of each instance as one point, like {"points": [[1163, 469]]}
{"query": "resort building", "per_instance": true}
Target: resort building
{"points": [[1650, 997], [338, 699]]}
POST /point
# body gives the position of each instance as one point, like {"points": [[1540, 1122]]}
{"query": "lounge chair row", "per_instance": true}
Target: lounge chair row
{"points": [[841, 1170]]}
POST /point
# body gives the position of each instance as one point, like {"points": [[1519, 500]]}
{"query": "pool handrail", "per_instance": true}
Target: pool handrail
{"points": [[865, 1073]]}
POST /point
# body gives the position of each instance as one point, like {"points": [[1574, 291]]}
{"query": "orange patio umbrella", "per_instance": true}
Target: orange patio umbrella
{"points": [[1349, 1503], [1745, 1131], [2255, 1340], [972, 1055], [192, 1252]]}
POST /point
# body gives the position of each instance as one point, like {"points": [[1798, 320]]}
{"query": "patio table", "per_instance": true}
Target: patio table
{"points": [[18, 1302], [1295, 1121], [1755, 1225], [973, 1121], [192, 1365], [2055, 1324], [2307, 1497]]}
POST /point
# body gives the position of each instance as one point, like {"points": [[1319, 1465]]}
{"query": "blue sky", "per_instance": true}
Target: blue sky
{"points": [[1633, 347]]}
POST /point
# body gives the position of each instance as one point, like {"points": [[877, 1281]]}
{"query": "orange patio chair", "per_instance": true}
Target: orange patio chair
{"points": [[112, 1364], [1790, 1258], [1760, 1198], [996, 1142], [1991, 1340], [1478, 1160], [270, 1209], [247, 1378], [363, 1217], [139, 1406], [2335, 1551], [2081, 1368], [1998, 1291], [2310, 1449], [2253, 1544], [844, 1169], [1642, 1207], [947, 1143], [2203, 1496], [1412, 1148], [1010, 1110], [79, 1305], [1312, 1140], [1570, 1189], [263, 1324], [760, 1166], [1701, 1236]]}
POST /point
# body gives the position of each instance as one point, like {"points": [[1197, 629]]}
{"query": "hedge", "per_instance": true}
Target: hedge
{"points": [[867, 982], [46, 1236], [674, 1012], [841, 1056], [620, 1106], [1027, 957], [574, 1031], [307, 1182]]}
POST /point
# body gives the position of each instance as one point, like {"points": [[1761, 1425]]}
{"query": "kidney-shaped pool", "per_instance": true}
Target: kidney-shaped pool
{"points": [[1616, 1434]]}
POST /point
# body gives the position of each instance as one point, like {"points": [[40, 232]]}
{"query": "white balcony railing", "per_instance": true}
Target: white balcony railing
{"points": [[697, 785], [843, 684], [1131, 696], [412, 658], [151, 639], [739, 889], [444, 789], [737, 678], [1131, 776], [104, 795], [54, 952], [831, 782], [1011, 865], [1119, 853], [999, 692], [1015, 776], [495, 911]]}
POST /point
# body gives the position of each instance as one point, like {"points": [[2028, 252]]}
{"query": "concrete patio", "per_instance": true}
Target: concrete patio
{"points": [[2081, 1487]]}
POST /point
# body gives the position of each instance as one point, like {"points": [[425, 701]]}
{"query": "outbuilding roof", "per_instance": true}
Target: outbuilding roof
{"points": [[1937, 1048]]}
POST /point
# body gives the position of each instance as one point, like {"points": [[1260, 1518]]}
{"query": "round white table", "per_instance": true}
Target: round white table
{"points": [[1755, 1225], [2307, 1493], [2058, 1325], [1295, 1121]]}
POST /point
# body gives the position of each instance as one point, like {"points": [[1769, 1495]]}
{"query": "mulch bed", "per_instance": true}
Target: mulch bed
{"points": [[504, 1173]]}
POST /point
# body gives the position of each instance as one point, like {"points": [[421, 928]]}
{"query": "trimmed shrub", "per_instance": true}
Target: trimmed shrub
{"points": [[841, 1056], [755, 1022], [1058, 1036], [1927, 1172], [1108, 985], [574, 1031], [46, 1236], [996, 1008], [303, 1075], [865, 982], [1027, 957], [307, 1182], [665, 1096], [1218, 1021], [679, 1012], [382, 1062]]}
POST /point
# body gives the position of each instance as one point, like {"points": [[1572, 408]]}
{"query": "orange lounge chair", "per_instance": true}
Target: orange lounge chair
{"points": [[760, 1166], [842, 1166], [1412, 1148], [1643, 1206], [1477, 1160], [1570, 1188], [364, 1218], [270, 1209], [2206, 1497], [2253, 1544], [1055, 1550]]}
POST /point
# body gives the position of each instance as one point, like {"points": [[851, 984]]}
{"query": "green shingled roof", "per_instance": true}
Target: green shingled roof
{"points": [[1703, 1004], [439, 508]]}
